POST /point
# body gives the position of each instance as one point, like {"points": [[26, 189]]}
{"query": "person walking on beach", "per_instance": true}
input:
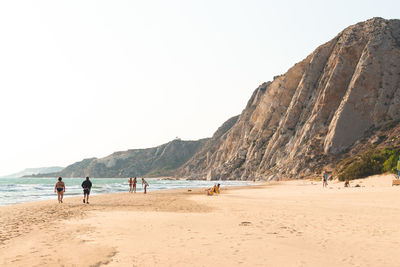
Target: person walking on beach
{"points": [[145, 185], [130, 184], [325, 180], [134, 185], [60, 188], [86, 185]]}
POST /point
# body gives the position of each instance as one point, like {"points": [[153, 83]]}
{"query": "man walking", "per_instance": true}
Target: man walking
{"points": [[86, 185]]}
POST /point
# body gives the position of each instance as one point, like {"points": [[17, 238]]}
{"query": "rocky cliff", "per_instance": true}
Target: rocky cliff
{"points": [[203, 157], [313, 114], [156, 161]]}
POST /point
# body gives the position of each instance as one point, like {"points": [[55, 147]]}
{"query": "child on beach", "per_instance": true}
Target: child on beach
{"points": [[60, 188], [145, 185]]}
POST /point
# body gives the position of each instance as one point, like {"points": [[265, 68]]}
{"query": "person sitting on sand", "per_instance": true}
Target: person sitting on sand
{"points": [[86, 185], [60, 188], [145, 185], [213, 190], [134, 185], [347, 183], [130, 184]]}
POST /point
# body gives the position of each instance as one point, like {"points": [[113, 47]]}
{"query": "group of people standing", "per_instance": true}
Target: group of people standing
{"points": [[87, 186], [132, 185]]}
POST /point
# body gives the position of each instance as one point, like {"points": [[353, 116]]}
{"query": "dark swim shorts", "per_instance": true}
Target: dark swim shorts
{"points": [[86, 191]]}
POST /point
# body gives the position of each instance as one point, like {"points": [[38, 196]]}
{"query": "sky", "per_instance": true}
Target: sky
{"points": [[81, 79]]}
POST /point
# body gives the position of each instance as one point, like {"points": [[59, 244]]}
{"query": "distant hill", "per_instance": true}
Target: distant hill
{"points": [[163, 160], [155, 161], [34, 171]]}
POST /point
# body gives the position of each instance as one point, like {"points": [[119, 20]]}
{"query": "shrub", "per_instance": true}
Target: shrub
{"points": [[390, 165], [370, 163]]}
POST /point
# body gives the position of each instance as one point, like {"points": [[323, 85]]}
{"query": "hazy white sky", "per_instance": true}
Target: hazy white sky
{"points": [[83, 79]]}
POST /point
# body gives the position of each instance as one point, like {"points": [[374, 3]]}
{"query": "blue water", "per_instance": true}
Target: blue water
{"points": [[20, 190]]}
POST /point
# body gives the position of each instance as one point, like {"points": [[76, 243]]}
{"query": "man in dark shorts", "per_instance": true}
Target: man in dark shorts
{"points": [[86, 185]]}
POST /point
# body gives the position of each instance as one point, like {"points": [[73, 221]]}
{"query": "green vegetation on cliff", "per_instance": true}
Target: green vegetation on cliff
{"points": [[370, 163]]}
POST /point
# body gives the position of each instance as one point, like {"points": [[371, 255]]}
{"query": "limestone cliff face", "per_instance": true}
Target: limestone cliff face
{"points": [[204, 155], [314, 112], [156, 161]]}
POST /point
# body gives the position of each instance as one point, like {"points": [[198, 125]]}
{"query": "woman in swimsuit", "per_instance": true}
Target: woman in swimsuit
{"points": [[60, 188], [130, 185], [134, 185]]}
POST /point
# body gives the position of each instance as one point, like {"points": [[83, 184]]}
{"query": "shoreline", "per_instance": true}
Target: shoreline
{"points": [[155, 191], [200, 190], [32, 190], [291, 223]]}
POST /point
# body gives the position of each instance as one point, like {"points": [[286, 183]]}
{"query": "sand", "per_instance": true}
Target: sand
{"points": [[292, 223]]}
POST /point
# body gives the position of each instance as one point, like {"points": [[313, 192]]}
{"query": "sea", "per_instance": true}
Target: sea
{"points": [[21, 190]]}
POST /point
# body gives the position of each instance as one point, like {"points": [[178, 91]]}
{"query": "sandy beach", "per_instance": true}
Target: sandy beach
{"points": [[292, 223]]}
